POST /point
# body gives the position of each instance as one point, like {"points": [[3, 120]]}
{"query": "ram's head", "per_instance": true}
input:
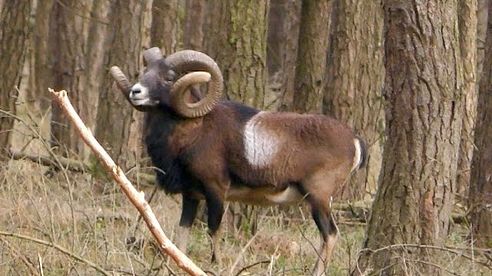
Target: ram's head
{"points": [[167, 81]]}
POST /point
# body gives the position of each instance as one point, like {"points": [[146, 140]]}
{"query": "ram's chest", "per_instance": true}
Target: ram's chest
{"points": [[166, 141], [183, 136]]}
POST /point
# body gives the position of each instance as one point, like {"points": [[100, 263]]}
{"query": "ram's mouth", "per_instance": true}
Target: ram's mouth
{"points": [[139, 96], [143, 102]]}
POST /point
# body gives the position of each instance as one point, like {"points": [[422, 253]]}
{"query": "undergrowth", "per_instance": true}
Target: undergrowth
{"points": [[89, 227]]}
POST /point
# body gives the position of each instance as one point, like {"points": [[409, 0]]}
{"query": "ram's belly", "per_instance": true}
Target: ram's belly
{"points": [[265, 196]]}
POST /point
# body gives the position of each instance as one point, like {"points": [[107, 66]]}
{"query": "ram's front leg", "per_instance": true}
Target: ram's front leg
{"points": [[215, 204], [188, 214]]}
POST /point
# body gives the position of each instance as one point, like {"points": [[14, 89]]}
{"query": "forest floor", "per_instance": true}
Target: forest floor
{"points": [[66, 223]]}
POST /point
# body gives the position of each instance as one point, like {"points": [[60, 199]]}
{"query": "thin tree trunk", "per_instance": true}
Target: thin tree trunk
{"points": [[166, 25], [468, 41], [283, 32], [41, 74], [118, 127], [14, 34], [311, 56], [355, 80], [97, 51], [423, 89], [194, 22], [481, 175], [236, 39], [482, 19], [70, 28]]}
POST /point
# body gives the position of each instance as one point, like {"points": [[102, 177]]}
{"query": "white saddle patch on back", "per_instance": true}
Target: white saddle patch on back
{"points": [[358, 154], [260, 145]]}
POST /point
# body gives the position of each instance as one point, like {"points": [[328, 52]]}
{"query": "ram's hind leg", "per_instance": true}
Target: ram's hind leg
{"points": [[328, 234], [319, 189]]}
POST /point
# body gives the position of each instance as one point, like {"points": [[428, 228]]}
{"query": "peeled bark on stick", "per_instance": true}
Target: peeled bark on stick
{"points": [[137, 198]]}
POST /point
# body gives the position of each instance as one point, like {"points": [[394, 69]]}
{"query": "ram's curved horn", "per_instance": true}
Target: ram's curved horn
{"points": [[151, 55], [188, 61], [179, 97], [123, 84], [121, 80]]}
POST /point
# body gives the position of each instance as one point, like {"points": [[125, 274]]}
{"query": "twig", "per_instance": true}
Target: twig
{"points": [[243, 250], [251, 265], [56, 159], [23, 258], [435, 247], [59, 248], [433, 265], [137, 198], [40, 261]]}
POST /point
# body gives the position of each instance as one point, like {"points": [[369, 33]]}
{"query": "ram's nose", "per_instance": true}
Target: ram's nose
{"points": [[135, 90]]}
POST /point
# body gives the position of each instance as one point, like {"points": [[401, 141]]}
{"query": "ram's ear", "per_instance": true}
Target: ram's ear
{"points": [[170, 75], [151, 55]]}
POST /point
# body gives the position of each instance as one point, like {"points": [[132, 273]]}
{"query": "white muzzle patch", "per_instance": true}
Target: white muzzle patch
{"points": [[260, 145], [139, 95]]}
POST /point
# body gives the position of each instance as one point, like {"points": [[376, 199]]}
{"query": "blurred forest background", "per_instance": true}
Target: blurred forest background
{"points": [[413, 78]]}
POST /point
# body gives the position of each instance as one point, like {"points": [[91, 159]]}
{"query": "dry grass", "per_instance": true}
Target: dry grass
{"points": [[93, 221]]}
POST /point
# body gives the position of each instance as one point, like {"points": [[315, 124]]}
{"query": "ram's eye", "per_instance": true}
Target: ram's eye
{"points": [[170, 75]]}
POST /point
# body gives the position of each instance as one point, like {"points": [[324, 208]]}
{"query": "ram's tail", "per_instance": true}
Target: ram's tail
{"points": [[360, 157]]}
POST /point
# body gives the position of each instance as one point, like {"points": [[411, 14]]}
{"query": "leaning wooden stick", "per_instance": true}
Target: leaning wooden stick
{"points": [[137, 198]]}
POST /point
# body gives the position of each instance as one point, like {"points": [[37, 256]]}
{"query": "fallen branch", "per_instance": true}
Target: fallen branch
{"points": [[359, 212], [64, 163], [137, 198], [57, 247]]}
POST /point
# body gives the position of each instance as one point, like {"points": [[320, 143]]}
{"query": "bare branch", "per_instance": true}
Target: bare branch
{"points": [[137, 198]]}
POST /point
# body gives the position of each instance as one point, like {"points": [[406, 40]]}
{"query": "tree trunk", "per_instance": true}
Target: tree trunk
{"points": [[311, 56], [166, 26], [283, 32], [355, 80], [482, 19], [41, 74], [118, 127], [14, 33], [69, 27], [423, 89], [96, 52], [481, 176], [194, 22], [468, 41], [236, 39]]}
